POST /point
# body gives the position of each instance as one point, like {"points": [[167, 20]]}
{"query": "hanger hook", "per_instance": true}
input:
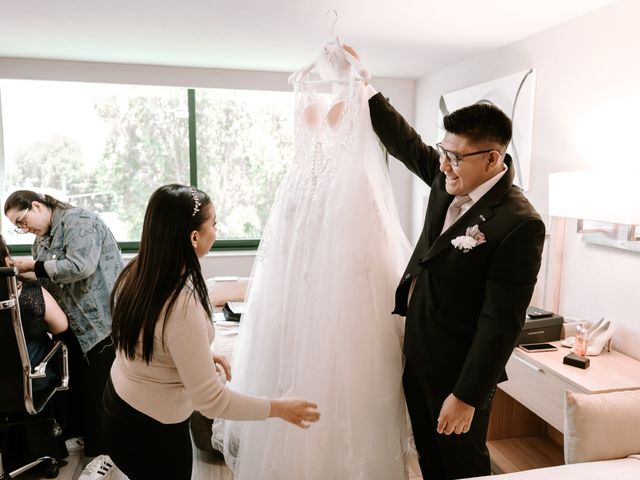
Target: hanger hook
{"points": [[335, 19]]}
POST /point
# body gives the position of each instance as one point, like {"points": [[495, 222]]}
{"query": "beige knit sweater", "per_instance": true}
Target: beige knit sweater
{"points": [[182, 377]]}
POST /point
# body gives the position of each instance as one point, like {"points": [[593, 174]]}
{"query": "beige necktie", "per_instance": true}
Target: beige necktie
{"points": [[454, 210]]}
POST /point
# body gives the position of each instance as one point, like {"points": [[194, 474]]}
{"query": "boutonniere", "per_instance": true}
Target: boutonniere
{"points": [[471, 239]]}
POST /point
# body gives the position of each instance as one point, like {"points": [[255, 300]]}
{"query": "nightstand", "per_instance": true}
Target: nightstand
{"points": [[527, 419]]}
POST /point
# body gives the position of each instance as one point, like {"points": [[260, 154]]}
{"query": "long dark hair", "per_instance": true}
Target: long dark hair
{"points": [[164, 264], [22, 199], [4, 251]]}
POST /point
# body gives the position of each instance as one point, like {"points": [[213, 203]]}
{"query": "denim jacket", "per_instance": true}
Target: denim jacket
{"points": [[83, 260]]}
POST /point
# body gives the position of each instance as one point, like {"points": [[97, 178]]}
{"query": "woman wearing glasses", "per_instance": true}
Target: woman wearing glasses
{"points": [[77, 259]]}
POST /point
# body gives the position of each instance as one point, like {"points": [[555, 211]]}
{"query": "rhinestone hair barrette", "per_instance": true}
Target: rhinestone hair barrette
{"points": [[196, 202]]}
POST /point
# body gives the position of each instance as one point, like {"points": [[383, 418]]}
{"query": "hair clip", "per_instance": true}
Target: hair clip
{"points": [[196, 202]]}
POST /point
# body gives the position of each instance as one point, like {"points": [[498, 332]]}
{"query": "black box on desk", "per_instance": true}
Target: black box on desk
{"points": [[540, 329]]}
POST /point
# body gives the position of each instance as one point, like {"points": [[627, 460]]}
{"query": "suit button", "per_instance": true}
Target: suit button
{"points": [[407, 276]]}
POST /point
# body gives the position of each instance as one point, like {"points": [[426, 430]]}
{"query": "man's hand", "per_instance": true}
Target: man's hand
{"points": [[224, 363], [351, 51], [455, 416]]}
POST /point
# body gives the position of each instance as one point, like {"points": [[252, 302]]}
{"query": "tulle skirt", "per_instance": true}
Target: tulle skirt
{"points": [[318, 326]]}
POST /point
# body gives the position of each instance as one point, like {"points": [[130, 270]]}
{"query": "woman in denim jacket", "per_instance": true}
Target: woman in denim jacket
{"points": [[77, 259]]}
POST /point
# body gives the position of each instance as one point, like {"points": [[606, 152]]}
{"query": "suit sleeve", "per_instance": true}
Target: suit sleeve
{"points": [[402, 141], [510, 282]]}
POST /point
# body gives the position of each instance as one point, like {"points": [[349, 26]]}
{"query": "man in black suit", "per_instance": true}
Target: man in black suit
{"points": [[466, 290]]}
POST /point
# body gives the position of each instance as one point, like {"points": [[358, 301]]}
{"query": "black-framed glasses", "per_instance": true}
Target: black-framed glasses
{"points": [[454, 158], [21, 226]]}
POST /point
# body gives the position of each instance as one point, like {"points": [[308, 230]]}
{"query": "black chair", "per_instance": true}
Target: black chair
{"points": [[18, 402]]}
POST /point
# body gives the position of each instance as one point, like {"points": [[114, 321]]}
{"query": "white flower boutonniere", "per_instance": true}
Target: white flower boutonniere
{"points": [[472, 239]]}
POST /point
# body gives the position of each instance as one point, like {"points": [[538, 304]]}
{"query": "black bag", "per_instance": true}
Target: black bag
{"points": [[39, 436]]}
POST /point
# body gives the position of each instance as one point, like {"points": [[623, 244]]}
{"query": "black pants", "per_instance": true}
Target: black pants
{"points": [[81, 408], [143, 447], [444, 457]]}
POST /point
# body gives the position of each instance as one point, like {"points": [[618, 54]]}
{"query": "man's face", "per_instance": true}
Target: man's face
{"points": [[471, 171]]}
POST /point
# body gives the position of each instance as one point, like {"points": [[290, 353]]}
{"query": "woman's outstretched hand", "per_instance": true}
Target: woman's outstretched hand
{"points": [[295, 410]]}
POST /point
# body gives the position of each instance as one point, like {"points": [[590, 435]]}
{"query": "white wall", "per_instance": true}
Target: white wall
{"points": [[401, 91], [586, 115]]}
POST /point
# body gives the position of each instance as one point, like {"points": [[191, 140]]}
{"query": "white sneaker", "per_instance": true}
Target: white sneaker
{"points": [[74, 444], [100, 468]]}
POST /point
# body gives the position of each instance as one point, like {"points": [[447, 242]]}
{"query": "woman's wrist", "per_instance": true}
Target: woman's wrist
{"points": [[275, 408]]}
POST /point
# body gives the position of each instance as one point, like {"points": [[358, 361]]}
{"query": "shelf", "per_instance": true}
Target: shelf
{"points": [[524, 453]]}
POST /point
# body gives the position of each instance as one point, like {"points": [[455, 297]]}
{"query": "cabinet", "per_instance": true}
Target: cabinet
{"points": [[527, 419]]}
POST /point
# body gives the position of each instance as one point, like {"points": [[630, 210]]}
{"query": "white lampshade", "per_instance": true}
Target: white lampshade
{"points": [[598, 196]]}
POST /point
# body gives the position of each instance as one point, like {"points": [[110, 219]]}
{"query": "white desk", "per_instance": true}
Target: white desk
{"points": [[527, 420]]}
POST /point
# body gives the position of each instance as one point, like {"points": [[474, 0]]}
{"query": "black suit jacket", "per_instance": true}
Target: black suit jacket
{"points": [[467, 309]]}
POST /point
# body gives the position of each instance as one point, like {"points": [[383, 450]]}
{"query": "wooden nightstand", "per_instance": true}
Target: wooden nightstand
{"points": [[527, 419]]}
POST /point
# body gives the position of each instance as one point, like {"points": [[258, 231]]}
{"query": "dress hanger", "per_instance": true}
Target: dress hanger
{"points": [[334, 39], [331, 47]]}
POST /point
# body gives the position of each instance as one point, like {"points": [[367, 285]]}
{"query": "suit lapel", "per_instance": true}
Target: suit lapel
{"points": [[480, 212], [435, 218]]}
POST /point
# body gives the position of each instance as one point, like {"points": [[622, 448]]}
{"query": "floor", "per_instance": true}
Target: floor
{"points": [[206, 466]]}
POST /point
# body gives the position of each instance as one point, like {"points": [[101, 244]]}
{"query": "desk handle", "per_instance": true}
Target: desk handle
{"points": [[530, 365]]}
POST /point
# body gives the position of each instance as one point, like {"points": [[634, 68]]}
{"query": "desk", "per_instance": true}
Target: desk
{"points": [[527, 419]]}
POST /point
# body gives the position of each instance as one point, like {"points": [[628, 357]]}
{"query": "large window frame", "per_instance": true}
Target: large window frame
{"points": [[233, 244]]}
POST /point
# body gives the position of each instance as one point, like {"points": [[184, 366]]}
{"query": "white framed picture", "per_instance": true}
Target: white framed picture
{"points": [[514, 95]]}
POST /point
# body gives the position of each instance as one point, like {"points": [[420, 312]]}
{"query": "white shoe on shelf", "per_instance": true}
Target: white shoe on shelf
{"points": [[595, 327], [74, 444], [600, 339], [100, 468], [569, 342]]}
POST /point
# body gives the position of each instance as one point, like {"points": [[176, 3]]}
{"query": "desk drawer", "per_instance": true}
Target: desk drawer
{"points": [[536, 388]]}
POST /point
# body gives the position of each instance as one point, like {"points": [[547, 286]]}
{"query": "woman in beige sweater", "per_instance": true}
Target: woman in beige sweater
{"points": [[162, 329]]}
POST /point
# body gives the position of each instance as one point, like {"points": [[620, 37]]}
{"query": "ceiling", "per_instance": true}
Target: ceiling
{"points": [[395, 38]]}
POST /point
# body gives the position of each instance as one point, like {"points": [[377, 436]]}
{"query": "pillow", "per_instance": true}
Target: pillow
{"points": [[602, 426]]}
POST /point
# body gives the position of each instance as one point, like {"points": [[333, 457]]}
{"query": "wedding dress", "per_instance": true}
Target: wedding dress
{"points": [[318, 323]]}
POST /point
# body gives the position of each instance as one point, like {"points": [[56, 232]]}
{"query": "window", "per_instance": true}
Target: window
{"points": [[107, 147], [244, 147]]}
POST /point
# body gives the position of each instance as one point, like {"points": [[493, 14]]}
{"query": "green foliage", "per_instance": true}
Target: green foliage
{"points": [[243, 150], [147, 146], [243, 154], [56, 164]]}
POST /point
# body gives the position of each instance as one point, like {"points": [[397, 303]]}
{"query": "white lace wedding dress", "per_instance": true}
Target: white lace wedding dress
{"points": [[318, 322]]}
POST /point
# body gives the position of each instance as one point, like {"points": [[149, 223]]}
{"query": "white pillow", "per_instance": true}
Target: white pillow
{"points": [[602, 426]]}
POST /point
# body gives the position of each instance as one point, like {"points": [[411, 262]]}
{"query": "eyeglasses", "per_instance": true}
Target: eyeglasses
{"points": [[454, 158], [21, 226]]}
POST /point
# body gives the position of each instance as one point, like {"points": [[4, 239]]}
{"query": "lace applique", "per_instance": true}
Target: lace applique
{"points": [[321, 149]]}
